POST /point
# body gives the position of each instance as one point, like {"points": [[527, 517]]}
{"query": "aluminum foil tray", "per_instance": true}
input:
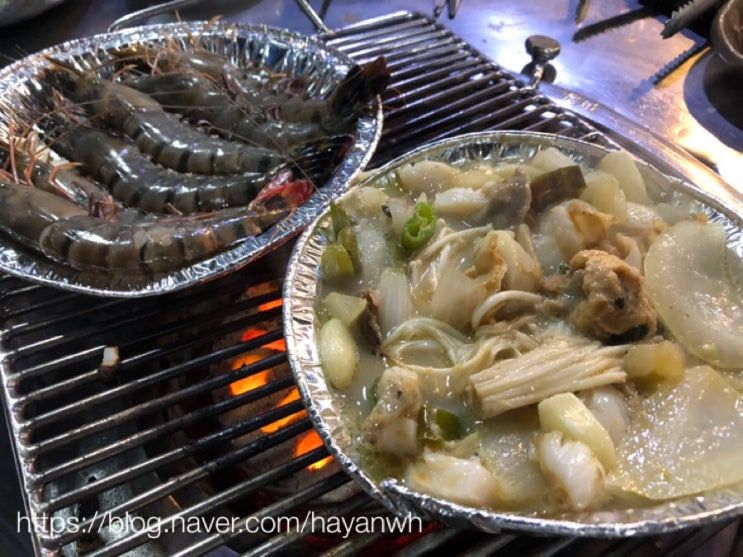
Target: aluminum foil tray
{"points": [[281, 50], [326, 410]]}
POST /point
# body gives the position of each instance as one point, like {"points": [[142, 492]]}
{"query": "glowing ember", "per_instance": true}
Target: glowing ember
{"points": [[261, 378], [248, 383], [278, 424], [255, 332], [270, 305], [308, 442]]}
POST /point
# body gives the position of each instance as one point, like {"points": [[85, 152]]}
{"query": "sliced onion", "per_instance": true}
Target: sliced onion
{"points": [[394, 294]]}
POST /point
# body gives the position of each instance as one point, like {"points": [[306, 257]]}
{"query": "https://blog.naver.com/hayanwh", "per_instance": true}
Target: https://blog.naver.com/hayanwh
{"points": [[154, 527]]}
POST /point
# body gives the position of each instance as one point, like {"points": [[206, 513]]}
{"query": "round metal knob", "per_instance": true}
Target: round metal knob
{"points": [[542, 49]]}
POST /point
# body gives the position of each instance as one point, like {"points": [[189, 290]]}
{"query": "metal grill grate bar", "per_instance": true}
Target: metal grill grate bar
{"points": [[443, 87], [163, 430], [430, 543], [156, 462], [351, 505], [102, 424], [83, 404], [166, 488], [108, 326], [281, 508]]}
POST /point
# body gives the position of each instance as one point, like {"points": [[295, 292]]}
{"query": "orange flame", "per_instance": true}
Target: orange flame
{"points": [[259, 379], [308, 442]]}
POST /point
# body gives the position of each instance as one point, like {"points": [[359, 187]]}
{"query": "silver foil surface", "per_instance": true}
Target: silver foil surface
{"points": [[326, 409], [280, 50]]}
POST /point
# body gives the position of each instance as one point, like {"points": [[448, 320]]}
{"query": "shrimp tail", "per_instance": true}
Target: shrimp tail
{"points": [[317, 159], [361, 85], [283, 192]]}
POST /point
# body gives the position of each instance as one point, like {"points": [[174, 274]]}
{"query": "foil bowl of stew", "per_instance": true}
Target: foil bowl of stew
{"points": [[450, 453], [316, 66]]}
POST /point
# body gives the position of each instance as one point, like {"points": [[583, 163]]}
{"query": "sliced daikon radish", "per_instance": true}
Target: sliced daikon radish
{"points": [[693, 279], [566, 413], [622, 166], [428, 176], [687, 439]]}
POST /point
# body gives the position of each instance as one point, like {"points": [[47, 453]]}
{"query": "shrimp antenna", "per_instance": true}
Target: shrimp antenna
{"points": [[64, 65]]}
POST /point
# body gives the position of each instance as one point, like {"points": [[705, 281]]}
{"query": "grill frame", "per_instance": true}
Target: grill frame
{"points": [[68, 420]]}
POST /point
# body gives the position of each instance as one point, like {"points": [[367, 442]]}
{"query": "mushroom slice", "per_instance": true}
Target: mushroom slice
{"points": [[690, 275]]}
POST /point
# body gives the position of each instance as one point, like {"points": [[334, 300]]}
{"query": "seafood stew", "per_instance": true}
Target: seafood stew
{"points": [[525, 331], [276, 123]]}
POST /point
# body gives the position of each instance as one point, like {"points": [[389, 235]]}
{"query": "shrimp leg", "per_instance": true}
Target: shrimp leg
{"points": [[58, 179]]}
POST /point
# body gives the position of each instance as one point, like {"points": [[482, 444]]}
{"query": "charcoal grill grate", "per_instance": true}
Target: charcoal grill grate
{"points": [[93, 447], [442, 87]]}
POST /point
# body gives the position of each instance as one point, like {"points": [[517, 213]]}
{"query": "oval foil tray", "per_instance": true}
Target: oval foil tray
{"points": [[277, 49], [340, 434]]}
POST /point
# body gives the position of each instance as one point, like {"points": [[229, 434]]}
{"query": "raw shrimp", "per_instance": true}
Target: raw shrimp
{"points": [[238, 82], [63, 231], [335, 114], [342, 107], [163, 135], [132, 178], [199, 101]]}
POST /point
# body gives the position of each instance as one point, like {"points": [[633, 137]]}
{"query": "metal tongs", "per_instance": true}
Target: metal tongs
{"points": [[451, 5], [137, 17], [681, 17], [686, 14]]}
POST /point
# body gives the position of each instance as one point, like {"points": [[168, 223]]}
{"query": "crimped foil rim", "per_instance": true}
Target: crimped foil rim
{"points": [[329, 66], [300, 290]]}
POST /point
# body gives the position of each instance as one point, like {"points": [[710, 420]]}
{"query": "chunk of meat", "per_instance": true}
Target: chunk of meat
{"points": [[503, 203], [392, 425], [510, 200], [616, 307], [461, 480]]}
